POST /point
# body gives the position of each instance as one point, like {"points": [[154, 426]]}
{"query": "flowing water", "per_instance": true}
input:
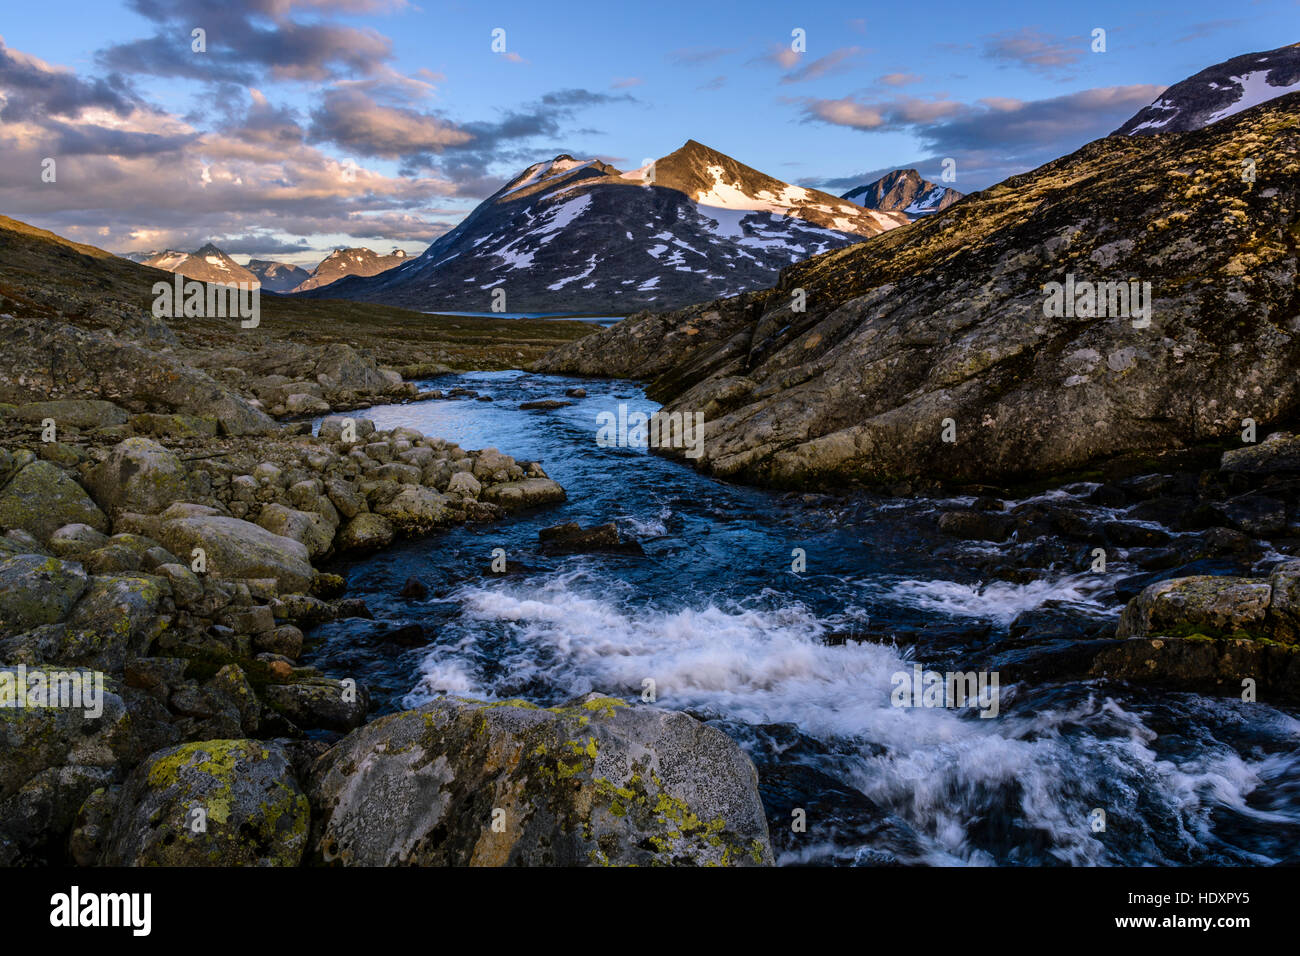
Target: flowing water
{"points": [[799, 667]]}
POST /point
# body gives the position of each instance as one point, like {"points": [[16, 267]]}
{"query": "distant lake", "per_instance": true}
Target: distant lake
{"points": [[570, 316]]}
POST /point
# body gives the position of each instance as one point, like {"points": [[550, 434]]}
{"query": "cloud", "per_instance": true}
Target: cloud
{"points": [[1208, 28], [1033, 50], [833, 62], [696, 56], [898, 79], [353, 120], [626, 83], [33, 88], [717, 83], [248, 40], [994, 137]]}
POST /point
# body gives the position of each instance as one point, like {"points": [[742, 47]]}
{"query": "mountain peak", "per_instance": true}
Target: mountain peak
{"points": [[1218, 92], [905, 191]]}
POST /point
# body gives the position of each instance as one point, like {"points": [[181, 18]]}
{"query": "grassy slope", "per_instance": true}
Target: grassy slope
{"points": [[42, 274]]}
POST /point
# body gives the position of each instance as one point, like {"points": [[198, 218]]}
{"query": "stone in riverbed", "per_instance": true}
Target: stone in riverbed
{"points": [[595, 782], [320, 703], [309, 529], [1206, 604], [416, 510], [572, 538], [523, 494]]}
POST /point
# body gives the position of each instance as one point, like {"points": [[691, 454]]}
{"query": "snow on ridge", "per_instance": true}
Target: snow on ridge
{"points": [[1255, 89]]}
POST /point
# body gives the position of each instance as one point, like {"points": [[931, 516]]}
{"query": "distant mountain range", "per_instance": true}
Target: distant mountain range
{"points": [[581, 235], [210, 264], [1219, 92], [904, 191]]}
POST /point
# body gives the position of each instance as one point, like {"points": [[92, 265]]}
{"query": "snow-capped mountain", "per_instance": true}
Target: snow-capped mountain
{"points": [[578, 235], [350, 262], [208, 264], [1219, 91], [277, 276], [904, 191]]}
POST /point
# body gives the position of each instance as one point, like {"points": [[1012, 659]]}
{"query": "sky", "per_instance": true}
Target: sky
{"points": [[304, 125]]}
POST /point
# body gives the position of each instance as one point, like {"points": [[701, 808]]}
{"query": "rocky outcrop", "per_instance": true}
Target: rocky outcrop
{"points": [[935, 350], [49, 360], [594, 782]]}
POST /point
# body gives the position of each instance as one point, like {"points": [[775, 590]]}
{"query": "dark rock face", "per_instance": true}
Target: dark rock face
{"points": [[904, 191], [1218, 92], [934, 351], [567, 235]]}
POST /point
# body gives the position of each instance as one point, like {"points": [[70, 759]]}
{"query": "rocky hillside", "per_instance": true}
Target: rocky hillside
{"points": [[937, 351], [1218, 92], [570, 235], [904, 191], [208, 264], [349, 262], [277, 276]]}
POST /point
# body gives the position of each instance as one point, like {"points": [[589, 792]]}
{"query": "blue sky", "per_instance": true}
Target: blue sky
{"points": [[309, 124]]}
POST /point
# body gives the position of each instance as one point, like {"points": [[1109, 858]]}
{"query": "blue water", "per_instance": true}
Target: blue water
{"points": [[798, 667]]}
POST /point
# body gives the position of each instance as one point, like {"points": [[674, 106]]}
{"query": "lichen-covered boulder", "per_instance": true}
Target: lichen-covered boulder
{"points": [[76, 539], [37, 590], [213, 803], [41, 498], [139, 475], [365, 532], [240, 549], [1215, 606], [595, 782], [416, 510]]}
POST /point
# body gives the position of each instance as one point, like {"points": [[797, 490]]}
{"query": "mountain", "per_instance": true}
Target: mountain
{"points": [[944, 352], [277, 276], [904, 191], [1219, 92], [208, 264], [349, 262], [581, 235]]}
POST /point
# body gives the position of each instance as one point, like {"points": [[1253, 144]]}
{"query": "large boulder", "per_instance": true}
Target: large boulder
{"points": [[366, 532], [314, 531], [597, 782], [42, 498], [37, 590], [213, 803], [240, 549], [416, 510], [139, 475], [1279, 453]]}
